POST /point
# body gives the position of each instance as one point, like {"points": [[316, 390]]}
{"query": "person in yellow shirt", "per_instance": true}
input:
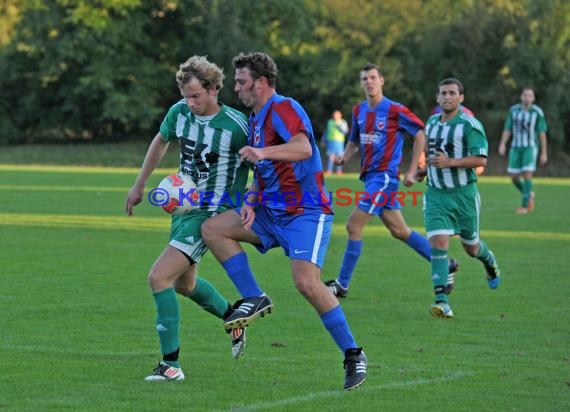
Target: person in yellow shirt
{"points": [[334, 136]]}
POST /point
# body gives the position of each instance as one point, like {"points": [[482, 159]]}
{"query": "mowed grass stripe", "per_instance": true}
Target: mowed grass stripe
{"points": [[45, 188], [451, 376], [352, 177], [162, 224]]}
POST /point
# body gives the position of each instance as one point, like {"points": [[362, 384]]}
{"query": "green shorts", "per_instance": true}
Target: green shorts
{"points": [[522, 159], [453, 212], [186, 234]]}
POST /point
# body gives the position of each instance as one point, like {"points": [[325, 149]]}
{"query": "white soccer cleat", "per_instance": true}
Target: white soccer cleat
{"points": [[165, 373]]}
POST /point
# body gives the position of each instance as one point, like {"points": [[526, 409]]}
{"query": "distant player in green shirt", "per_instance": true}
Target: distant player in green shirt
{"points": [[456, 145], [210, 136], [527, 126], [334, 137]]}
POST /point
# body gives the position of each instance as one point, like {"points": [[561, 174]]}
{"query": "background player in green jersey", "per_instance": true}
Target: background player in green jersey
{"points": [[456, 144], [334, 137], [526, 124], [210, 136]]}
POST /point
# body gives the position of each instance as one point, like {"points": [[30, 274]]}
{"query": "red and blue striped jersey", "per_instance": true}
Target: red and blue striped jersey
{"points": [[290, 187], [380, 133]]}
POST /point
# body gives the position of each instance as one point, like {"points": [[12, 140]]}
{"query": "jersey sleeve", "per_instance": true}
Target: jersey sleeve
{"points": [[354, 135], [409, 122], [509, 121], [289, 119], [168, 125], [541, 124], [476, 139], [240, 132]]}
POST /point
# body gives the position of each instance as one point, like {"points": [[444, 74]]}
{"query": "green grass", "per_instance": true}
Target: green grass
{"points": [[77, 324]]}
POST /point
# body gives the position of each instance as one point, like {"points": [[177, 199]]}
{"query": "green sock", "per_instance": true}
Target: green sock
{"points": [[484, 255], [168, 322], [518, 184], [209, 298], [439, 272], [527, 190]]}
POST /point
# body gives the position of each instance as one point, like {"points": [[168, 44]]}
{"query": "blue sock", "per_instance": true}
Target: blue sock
{"points": [[330, 165], [351, 255], [237, 268], [336, 324], [420, 244]]}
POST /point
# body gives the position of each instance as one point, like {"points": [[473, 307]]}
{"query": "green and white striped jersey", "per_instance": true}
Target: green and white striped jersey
{"points": [[462, 136], [525, 125], [209, 149]]}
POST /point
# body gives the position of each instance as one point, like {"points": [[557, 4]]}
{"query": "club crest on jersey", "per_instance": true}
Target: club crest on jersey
{"points": [[381, 123], [256, 135]]}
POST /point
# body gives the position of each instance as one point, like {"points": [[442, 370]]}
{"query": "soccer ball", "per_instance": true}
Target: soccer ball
{"points": [[177, 194]]}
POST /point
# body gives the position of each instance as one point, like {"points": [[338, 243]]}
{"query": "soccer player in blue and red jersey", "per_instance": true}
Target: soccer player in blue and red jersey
{"points": [[287, 207], [378, 128]]}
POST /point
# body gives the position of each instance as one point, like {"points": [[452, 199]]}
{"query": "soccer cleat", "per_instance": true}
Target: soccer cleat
{"points": [[441, 310], [530, 205], [521, 210], [238, 341], [336, 288], [493, 273], [355, 364], [165, 373], [247, 310], [453, 268]]}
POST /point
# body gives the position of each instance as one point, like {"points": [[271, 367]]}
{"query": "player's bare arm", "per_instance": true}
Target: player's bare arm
{"points": [[247, 211], [543, 149], [154, 155], [417, 151], [296, 149], [350, 149], [504, 140]]}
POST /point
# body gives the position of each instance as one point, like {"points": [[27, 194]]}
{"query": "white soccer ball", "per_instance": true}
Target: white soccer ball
{"points": [[177, 194]]}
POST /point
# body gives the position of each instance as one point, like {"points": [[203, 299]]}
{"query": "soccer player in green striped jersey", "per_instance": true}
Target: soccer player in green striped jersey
{"points": [[456, 145], [527, 126], [210, 136]]}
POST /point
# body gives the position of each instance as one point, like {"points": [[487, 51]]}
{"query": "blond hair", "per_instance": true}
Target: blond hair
{"points": [[207, 73]]}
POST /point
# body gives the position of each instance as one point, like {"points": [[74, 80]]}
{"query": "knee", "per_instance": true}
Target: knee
{"points": [[304, 286], [353, 229], [155, 280], [208, 231], [400, 233], [182, 289], [471, 250]]}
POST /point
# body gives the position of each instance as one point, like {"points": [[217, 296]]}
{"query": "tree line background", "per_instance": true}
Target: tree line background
{"points": [[103, 70]]}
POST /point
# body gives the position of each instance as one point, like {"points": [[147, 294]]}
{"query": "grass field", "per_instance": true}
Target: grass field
{"points": [[77, 324]]}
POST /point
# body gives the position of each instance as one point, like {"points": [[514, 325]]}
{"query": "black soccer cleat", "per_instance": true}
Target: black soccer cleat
{"points": [[336, 288], [453, 269], [247, 310], [355, 364]]}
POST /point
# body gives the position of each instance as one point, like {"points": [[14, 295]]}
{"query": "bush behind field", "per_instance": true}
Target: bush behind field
{"points": [[131, 154]]}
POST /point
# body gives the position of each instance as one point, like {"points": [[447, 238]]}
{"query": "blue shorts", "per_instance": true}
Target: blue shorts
{"points": [[382, 193], [335, 148], [302, 237]]}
